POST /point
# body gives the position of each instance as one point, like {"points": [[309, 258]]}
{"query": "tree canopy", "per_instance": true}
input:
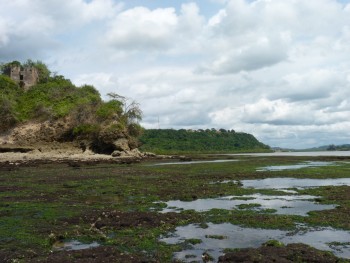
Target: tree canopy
{"points": [[171, 141], [56, 97]]}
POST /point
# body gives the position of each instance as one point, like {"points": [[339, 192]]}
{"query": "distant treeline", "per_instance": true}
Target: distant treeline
{"points": [[332, 147], [343, 147], [167, 141]]}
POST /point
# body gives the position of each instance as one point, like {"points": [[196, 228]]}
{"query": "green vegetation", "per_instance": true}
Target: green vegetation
{"points": [[207, 141], [248, 206], [55, 97], [114, 205], [273, 243], [220, 237], [194, 241], [89, 117], [332, 147], [343, 147]]}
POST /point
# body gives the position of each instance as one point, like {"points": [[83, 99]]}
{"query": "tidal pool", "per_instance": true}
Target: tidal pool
{"points": [[193, 162], [73, 245], [286, 183], [282, 204], [279, 204], [217, 237], [295, 166]]}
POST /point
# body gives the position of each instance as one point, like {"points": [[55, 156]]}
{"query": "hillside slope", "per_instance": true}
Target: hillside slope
{"points": [[182, 141], [56, 111]]}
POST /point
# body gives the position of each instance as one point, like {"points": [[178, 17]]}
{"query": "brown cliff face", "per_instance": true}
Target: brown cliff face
{"points": [[59, 133], [34, 132]]}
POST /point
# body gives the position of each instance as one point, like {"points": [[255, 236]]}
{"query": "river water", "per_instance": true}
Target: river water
{"points": [[309, 154]]}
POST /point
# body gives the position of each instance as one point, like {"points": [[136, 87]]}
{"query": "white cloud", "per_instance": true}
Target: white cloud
{"points": [[315, 84], [259, 54], [278, 69], [258, 34], [158, 30], [4, 38], [34, 27], [141, 28]]}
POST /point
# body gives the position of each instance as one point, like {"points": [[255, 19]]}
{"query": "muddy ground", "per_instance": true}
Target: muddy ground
{"points": [[117, 205], [284, 254]]}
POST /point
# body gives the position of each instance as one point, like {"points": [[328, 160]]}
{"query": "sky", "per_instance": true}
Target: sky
{"points": [[278, 69]]}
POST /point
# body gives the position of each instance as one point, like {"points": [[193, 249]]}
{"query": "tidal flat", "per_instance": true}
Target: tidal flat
{"points": [[114, 212]]}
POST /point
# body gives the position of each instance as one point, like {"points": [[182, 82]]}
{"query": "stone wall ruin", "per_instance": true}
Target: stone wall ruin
{"points": [[24, 76]]}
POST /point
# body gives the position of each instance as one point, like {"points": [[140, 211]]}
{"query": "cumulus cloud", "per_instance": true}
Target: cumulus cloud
{"points": [[257, 55], [141, 28], [4, 38], [315, 84], [29, 29], [278, 69], [158, 30], [106, 82], [259, 34]]}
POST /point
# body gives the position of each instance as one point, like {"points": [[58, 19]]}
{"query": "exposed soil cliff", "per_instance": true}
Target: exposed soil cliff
{"points": [[55, 137]]}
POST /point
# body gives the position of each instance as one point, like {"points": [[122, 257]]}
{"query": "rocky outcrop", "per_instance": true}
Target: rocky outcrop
{"points": [[122, 144], [37, 132], [56, 136]]}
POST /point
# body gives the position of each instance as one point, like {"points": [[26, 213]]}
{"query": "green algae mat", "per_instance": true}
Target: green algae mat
{"points": [[103, 212]]}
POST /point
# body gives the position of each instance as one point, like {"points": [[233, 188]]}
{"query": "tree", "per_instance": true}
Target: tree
{"points": [[130, 115], [7, 114], [7, 66], [331, 147], [44, 72], [132, 112]]}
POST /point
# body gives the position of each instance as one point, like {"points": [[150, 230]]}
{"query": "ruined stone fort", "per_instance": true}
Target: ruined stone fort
{"points": [[24, 76]]}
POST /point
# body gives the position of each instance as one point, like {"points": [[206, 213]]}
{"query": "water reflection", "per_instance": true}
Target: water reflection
{"points": [[194, 162], [73, 245], [285, 183], [286, 204], [312, 154], [295, 166], [234, 236]]}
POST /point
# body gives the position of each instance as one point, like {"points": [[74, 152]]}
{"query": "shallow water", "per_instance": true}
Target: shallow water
{"points": [[286, 204], [232, 236], [194, 162], [295, 166], [313, 154], [285, 183], [73, 245]]}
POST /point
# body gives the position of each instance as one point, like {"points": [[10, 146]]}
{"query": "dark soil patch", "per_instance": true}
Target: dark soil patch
{"points": [[92, 255], [285, 254], [120, 220], [15, 150], [11, 188], [339, 193], [14, 255], [10, 165]]}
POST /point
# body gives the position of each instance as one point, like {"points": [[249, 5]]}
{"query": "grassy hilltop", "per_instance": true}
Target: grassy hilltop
{"points": [[74, 113]]}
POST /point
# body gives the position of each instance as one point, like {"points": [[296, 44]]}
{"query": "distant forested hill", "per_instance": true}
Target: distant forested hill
{"points": [[332, 147], [181, 141]]}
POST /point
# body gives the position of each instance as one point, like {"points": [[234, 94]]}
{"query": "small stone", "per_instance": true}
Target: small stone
{"points": [[116, 153]]}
